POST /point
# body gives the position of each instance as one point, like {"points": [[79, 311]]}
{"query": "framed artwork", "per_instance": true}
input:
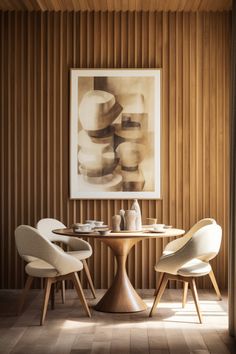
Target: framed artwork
{"points": [[115, 133]]}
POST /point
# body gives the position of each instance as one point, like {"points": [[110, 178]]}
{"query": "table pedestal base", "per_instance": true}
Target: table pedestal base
{"points": [[121, 297]]}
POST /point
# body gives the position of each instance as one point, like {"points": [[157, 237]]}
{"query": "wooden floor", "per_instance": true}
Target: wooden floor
{"points": [[68, 330]]}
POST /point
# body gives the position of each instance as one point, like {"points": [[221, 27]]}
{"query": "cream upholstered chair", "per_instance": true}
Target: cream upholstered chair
{"points": [[173, 246], [46, 260], [78, 248], [189, 261]]}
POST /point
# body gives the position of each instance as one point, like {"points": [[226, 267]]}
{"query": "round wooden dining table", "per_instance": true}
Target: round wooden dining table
{"points": [[121, 297]]}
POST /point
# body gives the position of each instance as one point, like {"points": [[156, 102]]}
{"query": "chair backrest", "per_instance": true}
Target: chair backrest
{"points": [[180, 242], [204, 244], [45, 227], [30, 243], [201, 223]]}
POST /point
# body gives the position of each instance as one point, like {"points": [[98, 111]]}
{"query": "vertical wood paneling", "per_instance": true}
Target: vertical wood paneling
{"points": [[37, 51], [115, 5]]}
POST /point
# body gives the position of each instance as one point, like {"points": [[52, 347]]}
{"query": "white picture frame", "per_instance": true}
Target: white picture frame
{"points": [[115, 133]]}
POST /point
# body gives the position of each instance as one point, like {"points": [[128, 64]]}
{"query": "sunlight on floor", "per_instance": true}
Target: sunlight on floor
{"points": [[68, 324], [169, 314], [68, 330]]}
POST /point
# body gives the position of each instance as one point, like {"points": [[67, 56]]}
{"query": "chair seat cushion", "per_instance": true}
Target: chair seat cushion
{"points": [[41, 269], [194, 268], [83, 254], [80, 254]]}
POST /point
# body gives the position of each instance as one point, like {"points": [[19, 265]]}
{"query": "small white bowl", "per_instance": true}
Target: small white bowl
{"points": [[91, 222], [83, 227], [104, 232], [158, 227], [98, 223]]}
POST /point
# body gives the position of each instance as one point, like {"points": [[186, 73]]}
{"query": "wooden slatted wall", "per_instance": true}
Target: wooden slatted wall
{"points": [[37, 51], [115, 5]]}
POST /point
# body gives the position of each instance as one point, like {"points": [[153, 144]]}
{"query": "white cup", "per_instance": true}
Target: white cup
{"points": [[98, 223], [84, 227], [91, 223], [158, 227]]}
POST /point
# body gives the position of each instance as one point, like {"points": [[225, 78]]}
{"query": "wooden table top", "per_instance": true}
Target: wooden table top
{"points": [[170, 232]]}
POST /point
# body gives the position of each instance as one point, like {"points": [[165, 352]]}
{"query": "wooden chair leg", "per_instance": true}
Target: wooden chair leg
{"points": [[185, 293], [52, 296], [89, 279], [215, 285], [28, 284], [60, 285], [57, 286], [195, 298], [159, 294], [159, 284], [42, 283], [80, 293], [63, 291], [48, 284]]}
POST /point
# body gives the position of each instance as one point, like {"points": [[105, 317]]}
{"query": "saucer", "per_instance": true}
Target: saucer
{"points": [[127, 231], [100, 227], [82, 232], [157, 231], [104, 232]]}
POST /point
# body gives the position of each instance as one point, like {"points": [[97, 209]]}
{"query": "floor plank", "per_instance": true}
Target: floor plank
{"points": [[67, 330]]}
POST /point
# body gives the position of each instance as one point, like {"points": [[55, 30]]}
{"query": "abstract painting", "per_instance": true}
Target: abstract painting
{"points": [[115, 134]]}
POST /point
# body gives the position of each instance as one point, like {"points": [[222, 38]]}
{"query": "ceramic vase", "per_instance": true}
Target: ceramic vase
{"points": [[122, 223], [135, 206], [130, 220], [116, 219]]}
